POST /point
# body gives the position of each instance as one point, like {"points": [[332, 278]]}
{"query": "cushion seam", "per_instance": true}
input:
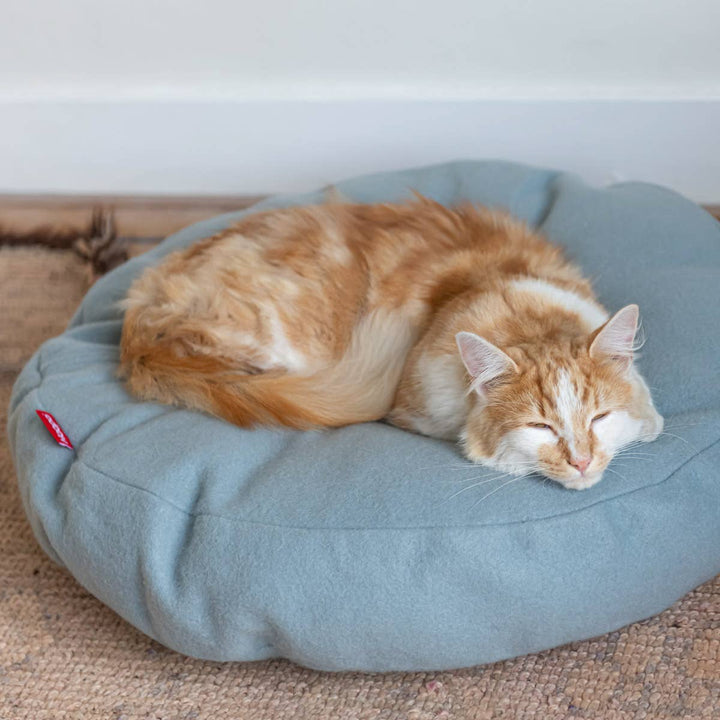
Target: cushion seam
{"points": [[403, 528]]}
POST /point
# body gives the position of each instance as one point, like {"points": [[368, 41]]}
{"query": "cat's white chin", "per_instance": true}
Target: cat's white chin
{"points": [[581, 483]]}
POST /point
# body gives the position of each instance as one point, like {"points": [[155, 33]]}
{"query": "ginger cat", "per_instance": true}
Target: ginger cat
{"points": [[460, 323]]}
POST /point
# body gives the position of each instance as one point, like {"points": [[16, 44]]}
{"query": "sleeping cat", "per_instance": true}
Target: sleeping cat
{"points": [[460, 323]]}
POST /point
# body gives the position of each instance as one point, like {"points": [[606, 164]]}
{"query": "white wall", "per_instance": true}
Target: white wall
{"points": [[222, 96]]}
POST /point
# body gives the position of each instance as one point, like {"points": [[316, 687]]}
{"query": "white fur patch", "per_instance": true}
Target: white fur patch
{"points": [[281, 352], [567, 404], [445, 396], [617, 429], [518, 451], [335, 246], [590, 312], [366, 377], [339, 253]]}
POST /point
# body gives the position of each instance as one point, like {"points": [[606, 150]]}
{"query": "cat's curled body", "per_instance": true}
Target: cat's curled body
{"points": [[459, 323]]}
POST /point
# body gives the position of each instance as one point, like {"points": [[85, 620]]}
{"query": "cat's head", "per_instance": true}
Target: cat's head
{"points": [[561, 408]]}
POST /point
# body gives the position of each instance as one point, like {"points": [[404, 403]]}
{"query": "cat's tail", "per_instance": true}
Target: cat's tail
{"points": [[360, 387]]}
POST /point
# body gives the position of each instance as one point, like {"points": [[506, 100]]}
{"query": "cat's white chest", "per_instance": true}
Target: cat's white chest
{"points": [[444, 392]]}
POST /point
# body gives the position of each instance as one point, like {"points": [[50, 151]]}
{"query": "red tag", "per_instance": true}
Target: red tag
{"points": [[54, 429]]}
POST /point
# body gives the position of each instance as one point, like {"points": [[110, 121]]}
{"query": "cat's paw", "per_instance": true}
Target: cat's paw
{"points": [[652, 427]]}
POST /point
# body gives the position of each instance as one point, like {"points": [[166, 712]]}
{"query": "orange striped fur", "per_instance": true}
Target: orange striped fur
{"points": [[454, 322]]}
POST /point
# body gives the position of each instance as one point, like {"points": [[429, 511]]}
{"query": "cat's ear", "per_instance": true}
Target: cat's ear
{"points": [[615, 340], [483, 360]]}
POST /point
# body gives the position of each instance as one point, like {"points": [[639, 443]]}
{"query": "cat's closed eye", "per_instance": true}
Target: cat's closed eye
{"points": [[600, 416], [541, 426]]}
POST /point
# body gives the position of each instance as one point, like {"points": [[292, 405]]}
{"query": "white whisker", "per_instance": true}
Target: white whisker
{"points": [[485, 481], [617, 473], [463, 466], [474, 485], [682, 439], [476, 466], [508, 482]]}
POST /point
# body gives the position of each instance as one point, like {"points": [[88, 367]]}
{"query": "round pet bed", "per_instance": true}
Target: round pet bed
{"points": [[367, 547]]}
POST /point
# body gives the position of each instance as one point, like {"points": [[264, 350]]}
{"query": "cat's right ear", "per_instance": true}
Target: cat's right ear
{"points": [[483, 360]]}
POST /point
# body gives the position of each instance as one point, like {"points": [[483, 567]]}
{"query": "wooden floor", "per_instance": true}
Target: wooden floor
{"points": [[136, 217]]}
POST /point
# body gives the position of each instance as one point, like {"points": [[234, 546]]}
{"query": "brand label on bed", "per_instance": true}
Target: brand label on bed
{"points": [[54, 429]]}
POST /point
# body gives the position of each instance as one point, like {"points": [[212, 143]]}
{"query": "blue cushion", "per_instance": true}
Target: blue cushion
{"points": [[354, 548]]}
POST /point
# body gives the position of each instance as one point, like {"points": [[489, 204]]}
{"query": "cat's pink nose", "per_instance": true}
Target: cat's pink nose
{"points": [[582, 464]]}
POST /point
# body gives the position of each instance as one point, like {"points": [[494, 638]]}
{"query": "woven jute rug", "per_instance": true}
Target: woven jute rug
{"points": [[65, 655]]}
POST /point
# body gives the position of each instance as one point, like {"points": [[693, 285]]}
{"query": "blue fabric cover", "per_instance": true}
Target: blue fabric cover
{"points": [[351, 548]]}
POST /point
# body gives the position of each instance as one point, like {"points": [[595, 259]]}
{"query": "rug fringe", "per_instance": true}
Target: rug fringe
{"points": [[98, 244]]}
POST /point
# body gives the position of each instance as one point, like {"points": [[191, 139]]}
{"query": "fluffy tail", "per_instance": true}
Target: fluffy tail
{"points": [[359, 388]]}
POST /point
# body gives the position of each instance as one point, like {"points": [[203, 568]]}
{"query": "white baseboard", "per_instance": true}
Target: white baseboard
{"points": [[198, 147]]}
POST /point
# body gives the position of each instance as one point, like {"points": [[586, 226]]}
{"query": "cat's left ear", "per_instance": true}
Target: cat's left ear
{"points": [[615, 339], [483, 360]]}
